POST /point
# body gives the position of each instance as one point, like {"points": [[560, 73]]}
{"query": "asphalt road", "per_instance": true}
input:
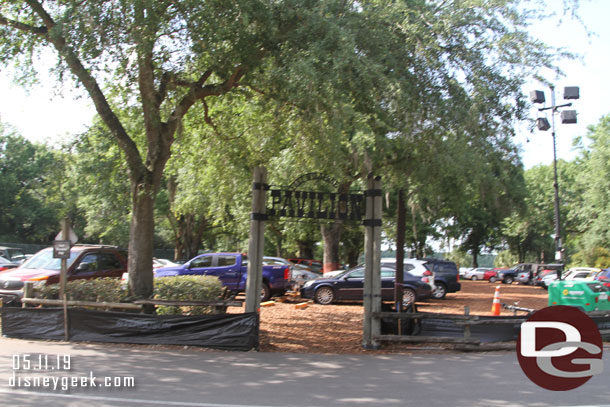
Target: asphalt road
{"points": [[196, 378]]}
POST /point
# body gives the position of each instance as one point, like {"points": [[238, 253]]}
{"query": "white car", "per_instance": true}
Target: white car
{"points": [[580, 273], [414, 266]]}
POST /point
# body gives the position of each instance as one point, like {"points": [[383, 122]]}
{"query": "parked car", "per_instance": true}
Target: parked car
{"points": [[350, 286], [476, 273], [528, 273], [446, 277], [581, 273], [604, 277], [12, 254], [6, 264], [416, 267], [158, 263], [545, 277], [231, 269], [492, 275], [314, 265], [299, 273], [85, 262]]}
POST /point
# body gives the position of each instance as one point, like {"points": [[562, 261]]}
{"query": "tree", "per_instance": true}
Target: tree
{"points": [[358, 71], [29, 181], [593, 210], [162, 57]]}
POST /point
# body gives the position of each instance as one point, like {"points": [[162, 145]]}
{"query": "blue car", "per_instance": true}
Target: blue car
{"points": [[349, 285]]}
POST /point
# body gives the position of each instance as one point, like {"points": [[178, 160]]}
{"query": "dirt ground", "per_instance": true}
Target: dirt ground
{"points": [[338, 328]]}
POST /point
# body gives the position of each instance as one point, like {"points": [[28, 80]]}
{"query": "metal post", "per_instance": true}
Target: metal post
{"points": [[558, 246], [254, 282], [65, 235]]}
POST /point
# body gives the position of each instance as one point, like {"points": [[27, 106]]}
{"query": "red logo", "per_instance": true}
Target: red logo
{"points": [[560, 348]]}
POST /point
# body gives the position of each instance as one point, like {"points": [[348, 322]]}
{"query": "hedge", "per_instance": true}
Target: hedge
{"points": [[179, 288]]}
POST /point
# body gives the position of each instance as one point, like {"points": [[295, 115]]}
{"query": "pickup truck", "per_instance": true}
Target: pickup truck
{"points": [[231, 269]]}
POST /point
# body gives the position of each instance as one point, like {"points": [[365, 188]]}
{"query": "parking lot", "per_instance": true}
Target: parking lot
{"points": [[338, 328]]}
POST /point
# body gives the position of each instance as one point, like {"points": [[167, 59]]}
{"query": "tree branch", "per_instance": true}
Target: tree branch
{"points": [[101, 104], [23, 27], [199, 92]]}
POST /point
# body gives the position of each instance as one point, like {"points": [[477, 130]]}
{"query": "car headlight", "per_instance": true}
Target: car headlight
{"points": [[308, 284], [39, 281]]}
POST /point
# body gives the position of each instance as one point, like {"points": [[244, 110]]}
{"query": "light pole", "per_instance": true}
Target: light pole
{"points": [[567, 116]]}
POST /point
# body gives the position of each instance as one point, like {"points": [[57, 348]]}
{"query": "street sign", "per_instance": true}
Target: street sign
{"points": [[71, 236], [61, 249]]}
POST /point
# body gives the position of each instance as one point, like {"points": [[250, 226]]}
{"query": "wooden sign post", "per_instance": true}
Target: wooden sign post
{"points": [[372, 263], [254, 282]]}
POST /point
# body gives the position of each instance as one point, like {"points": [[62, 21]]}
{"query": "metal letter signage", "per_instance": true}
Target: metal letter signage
{"points": [[315, 205]]}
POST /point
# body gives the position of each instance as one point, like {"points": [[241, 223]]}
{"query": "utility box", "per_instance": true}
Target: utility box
{"points": [[585, 295], [568, 116], [571, 92]]}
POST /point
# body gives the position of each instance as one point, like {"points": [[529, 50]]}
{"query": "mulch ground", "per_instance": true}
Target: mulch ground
{"points": [[338, 328]]}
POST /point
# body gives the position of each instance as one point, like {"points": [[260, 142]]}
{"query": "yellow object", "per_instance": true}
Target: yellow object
{"points": [[267, 303], [301, 305]]}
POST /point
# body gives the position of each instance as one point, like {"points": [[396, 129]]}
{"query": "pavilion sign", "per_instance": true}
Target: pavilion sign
{"points": [[287, 203]]}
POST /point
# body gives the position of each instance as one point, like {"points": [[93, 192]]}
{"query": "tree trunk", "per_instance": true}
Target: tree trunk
{"points": [[331, 234], [306, 249], [140, 241]]}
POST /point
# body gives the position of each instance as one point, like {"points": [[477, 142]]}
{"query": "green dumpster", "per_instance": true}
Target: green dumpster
{"points": [[585, 295]]}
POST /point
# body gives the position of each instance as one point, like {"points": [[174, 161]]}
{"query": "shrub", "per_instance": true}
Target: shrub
{"points": [[187, 288], [179, 288], [97, 290]]}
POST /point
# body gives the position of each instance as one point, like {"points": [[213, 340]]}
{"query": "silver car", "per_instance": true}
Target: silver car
{"points": [[476, 274]]}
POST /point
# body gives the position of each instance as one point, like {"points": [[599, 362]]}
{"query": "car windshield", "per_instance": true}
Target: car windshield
{"points": [[44, 260]]}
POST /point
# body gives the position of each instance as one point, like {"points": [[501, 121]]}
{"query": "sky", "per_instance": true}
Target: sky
{"points": [[42, 115]]}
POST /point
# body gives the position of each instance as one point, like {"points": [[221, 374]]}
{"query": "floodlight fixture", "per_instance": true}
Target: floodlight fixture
{"points": [[568, 116], [571, 92], [543, 124], [537, 96]]}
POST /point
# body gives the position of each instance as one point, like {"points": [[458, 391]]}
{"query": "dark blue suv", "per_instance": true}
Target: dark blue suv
{"points": [[446, 277]]}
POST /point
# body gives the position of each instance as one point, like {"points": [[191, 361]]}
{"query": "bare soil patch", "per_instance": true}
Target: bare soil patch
{"points": [[338, 328]]}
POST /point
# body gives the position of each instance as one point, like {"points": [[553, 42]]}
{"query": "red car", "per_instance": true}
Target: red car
{"points": [[85, 262], [492, 275]]}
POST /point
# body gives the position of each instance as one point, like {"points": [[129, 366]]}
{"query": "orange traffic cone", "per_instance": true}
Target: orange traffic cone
{"points": [[495, 306]]}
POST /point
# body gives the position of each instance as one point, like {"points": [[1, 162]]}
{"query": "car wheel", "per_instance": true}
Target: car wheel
{"points": [[324, 295], [265, 293], [439, 292], [408, 297], [508, 280], [492, 279], [473, 278]]}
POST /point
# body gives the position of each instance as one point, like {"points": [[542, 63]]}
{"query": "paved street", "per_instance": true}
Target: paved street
{"points": [[196, 378]]}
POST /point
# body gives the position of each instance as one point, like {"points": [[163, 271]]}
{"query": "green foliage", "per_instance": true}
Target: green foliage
{"points": [[97, 290], [593, 210], [179, 288], [595, 257], [30, 176], [187, 288], [460, 258], [506, 258]]}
